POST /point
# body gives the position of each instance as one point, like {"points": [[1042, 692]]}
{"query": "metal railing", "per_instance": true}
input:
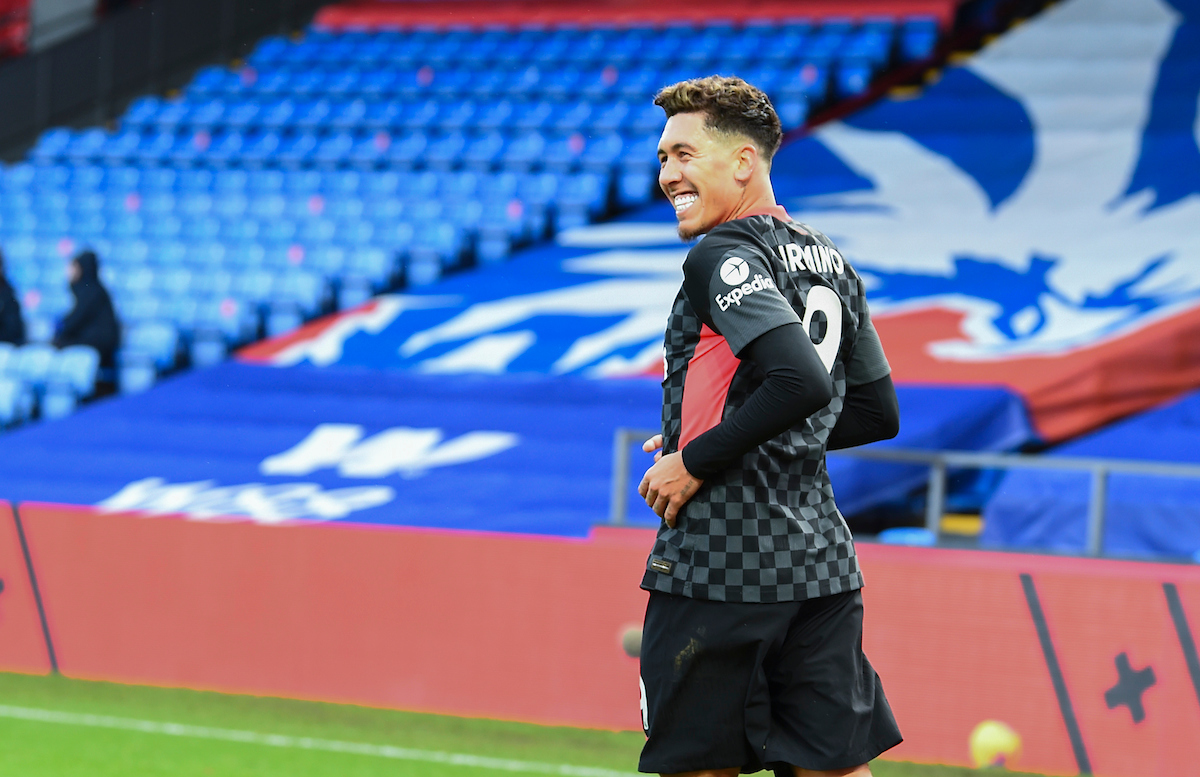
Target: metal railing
{"points": [[939, 462]]}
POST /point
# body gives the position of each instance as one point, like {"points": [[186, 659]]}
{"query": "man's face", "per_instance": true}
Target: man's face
{"points": [[697, 174]]}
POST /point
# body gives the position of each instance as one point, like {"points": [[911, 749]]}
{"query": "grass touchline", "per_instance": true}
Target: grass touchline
{"points": [[302, 743]]}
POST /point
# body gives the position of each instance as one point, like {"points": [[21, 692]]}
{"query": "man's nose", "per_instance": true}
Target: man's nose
{"points": [[668, 173]]}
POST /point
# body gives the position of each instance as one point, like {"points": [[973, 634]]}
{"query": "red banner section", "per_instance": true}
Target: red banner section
{"points": [[1092, 664], [22, 643], [498, 626], [1068, 393], [14, 27], [368, 14]]}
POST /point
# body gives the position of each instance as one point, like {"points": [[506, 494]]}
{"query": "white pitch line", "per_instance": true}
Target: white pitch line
{"points": [[303, 743]]}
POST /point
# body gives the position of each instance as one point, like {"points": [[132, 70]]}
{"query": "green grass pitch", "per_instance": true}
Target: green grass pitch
{"points": [[53, 726]]}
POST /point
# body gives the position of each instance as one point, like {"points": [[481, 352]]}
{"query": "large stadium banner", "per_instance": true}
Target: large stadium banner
{"points": [[1028, 221]]}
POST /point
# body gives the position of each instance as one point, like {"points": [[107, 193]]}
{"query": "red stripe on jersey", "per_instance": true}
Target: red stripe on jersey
{"points": [[770, 210], [706, 386]]}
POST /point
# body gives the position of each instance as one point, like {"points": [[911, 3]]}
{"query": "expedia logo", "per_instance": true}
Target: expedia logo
{"points": [[735, 271], [735, 297]]}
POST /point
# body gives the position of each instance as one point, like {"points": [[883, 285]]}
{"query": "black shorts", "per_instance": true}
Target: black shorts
{"points": [[759, 686]]}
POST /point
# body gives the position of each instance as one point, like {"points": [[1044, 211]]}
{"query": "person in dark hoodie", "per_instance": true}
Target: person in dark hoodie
{"points": [[12, 326], [92, 321]]}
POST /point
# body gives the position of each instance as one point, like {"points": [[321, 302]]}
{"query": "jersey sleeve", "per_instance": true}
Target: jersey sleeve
{"points": [[733, 291], [868, 362]]}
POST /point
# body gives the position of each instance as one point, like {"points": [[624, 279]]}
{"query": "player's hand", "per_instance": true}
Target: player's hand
{"points": [[667, 486], [652, 445]]}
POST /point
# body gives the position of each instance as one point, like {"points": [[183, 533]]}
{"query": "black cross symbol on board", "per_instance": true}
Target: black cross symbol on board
{"points": [[1129, 688]]}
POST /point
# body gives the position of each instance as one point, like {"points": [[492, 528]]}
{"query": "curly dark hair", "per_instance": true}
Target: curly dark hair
{"points": [[732, 107]]}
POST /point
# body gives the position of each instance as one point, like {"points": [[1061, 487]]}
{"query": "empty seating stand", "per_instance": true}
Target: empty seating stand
{"points": [[329, 168]]}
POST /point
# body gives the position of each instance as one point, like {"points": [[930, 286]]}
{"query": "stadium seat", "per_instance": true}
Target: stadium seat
{"points": [[77, 367], [12, 401], [283, 317], [31, 364], [58, 401], [207, 348], [157, 339], [853, 77], [918, 38]]}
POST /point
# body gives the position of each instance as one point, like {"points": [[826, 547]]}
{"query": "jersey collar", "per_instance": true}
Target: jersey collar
{"points": [[771, 210]]}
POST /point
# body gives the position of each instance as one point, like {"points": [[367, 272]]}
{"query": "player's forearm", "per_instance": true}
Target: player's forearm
{"points": [[870, 413], [796, 386]]}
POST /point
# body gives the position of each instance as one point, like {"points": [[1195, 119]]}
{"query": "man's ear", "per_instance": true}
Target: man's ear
{"points": [[746, 162]]}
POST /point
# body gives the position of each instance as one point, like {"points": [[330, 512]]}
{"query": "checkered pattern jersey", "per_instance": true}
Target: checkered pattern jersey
{"points": [[767, 529]]}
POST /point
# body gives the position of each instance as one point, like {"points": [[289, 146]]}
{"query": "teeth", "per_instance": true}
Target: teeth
{"points": [[683, 201]]}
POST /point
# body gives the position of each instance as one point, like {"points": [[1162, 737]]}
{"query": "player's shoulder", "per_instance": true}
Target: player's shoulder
{"points": [[732, 238], [811, 233]]}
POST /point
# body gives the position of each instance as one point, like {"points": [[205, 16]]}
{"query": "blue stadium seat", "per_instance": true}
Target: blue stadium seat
{"points": [[305, 289], [524, 153], [212, 283], [13, 401], [31, 364], [240, 115], [333, 150], [530, 117], [339, 183], [205, 114], [918, 38], [296, 150], [454, 115], [51, 145], [51, 177], [853, 77], [406, 152], [207, 348], [444, 153], [481, 153], [136, 371], [375, 264], [140, 114], [236, 321], [381, 115], [212, 81], [328, 260], [172, 115], [121, 178], [369, 149], [6, 354], [346, 115], [494, 114], [77, 366]]}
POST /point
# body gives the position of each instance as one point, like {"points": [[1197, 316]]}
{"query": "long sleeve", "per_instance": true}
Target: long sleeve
{"points": [[796, 386], [870, 413]]}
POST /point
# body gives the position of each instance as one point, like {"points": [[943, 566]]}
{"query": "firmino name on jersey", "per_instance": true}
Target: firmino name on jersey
{"points": [[735, 297], [816, 258]]}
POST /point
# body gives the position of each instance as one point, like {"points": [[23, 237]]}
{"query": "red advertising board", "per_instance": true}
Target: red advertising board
{"points": [[22, 643], [1092, 663], [374, 13], [14, 26]]}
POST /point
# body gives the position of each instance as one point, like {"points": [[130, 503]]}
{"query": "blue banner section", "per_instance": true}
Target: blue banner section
{"points": [[1146, 516], [932, 418], [520, 454], [494, 453]]}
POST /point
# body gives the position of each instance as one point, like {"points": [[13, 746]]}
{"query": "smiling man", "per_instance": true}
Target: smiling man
{"points": [[752, 648]]}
